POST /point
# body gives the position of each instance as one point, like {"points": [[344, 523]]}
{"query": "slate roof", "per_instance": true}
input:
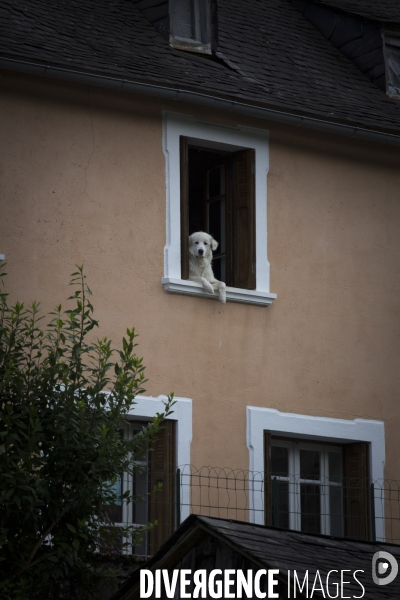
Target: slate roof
{"points": [[376, 10], [285, 550], [269, 55]]}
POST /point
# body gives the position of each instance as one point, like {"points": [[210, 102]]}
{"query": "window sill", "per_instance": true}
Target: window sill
{"points": [[190, 45], [192, 288]]}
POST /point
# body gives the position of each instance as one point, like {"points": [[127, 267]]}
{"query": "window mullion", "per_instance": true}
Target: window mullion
{"points": [[324, 475], [294, 487], [127, 485]]}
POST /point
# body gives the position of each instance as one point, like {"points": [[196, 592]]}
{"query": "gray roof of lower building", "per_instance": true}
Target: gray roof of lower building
{"points": [[287, 551]]}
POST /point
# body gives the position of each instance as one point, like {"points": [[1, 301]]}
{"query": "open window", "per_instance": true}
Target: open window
{"points": [[217, 196], [217, 182], [317, 488]]}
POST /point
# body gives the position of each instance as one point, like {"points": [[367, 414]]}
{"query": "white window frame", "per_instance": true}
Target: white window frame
{"points": [[323, 429], [146, 408], [230, 139], [294, 480]]}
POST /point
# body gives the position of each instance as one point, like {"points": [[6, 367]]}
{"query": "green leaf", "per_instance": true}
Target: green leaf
{"points": [[53, 559]]}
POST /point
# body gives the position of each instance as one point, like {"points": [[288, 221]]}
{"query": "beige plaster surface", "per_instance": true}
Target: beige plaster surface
{"points": [[83, 181]]}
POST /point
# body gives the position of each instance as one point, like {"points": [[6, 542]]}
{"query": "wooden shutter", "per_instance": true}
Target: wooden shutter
{"points": [[162, 468], [184, 174], [356, 491], [267, 479], [243, 214]]}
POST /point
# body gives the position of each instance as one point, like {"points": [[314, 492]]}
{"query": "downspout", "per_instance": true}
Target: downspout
{"points": [[199, 98]]}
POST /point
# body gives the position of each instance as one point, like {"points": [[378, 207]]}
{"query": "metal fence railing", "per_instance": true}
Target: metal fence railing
{"points": [[221, 492], [351, 508]]}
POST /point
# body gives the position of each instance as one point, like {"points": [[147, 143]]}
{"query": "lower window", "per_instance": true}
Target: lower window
{"points": [[156, 468], [317, 488]]}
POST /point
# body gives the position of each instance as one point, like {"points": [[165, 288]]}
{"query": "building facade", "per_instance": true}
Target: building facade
{"points": [[295, 378]]}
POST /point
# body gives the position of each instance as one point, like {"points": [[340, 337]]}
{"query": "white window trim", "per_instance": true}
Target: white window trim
{"points": [[322, 429], [147, 407], [175, 126]]}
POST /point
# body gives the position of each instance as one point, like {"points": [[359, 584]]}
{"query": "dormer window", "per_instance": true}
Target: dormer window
{"points": [[392, 59], [190, 25]]}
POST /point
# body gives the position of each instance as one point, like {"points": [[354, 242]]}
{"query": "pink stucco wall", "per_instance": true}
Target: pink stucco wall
{"points": [[83, 181]]}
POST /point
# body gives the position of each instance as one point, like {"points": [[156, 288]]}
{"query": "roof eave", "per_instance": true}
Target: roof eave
{"points": [[199, 98]]}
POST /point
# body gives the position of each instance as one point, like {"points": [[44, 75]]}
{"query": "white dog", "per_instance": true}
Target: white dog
{"points": [[201, 246]]}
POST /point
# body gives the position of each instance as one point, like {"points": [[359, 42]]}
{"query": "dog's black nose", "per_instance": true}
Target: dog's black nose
{"points": [[201, 251]]}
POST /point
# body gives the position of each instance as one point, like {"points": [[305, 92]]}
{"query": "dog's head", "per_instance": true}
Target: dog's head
{"points": [[201, 245]]}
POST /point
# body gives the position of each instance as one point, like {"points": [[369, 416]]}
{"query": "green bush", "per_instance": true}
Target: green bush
{"points": [[63, 401]]}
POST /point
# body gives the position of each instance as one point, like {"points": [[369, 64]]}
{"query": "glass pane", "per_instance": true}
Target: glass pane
{"points": [[140, 514], [309, 464], [139, 507], [216, 182], [280, 461], [182, 16], [335, 467], [114, 511], [393, 69], [336, 511], [140, 547], [310, 503], [141, 452], [216, 223], [280, 504], [116, 488]]}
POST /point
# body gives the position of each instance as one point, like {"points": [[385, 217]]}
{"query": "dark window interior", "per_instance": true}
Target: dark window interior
{"points": [[218, 197], [209, 203]]}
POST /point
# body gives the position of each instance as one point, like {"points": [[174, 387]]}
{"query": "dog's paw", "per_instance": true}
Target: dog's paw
{"points": [[208, 287], [222, 292]]}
